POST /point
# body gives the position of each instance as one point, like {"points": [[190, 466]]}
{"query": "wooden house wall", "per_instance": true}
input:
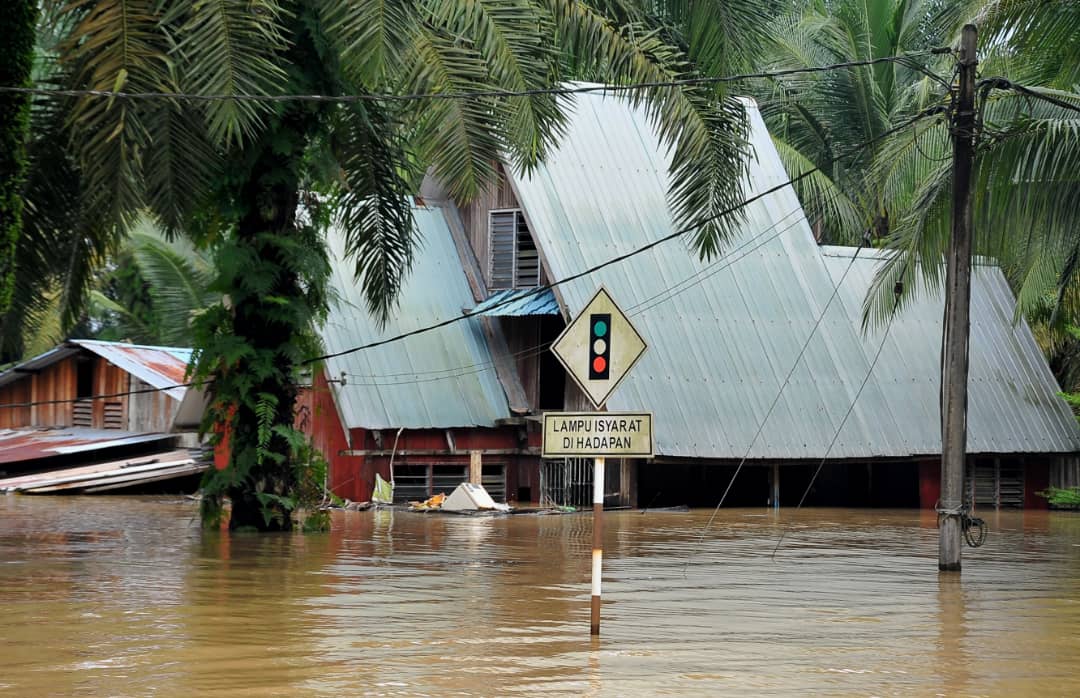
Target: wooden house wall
{"points": [[150, 412], [474, 217], [15, 393], [522, 339], [54, 387]]}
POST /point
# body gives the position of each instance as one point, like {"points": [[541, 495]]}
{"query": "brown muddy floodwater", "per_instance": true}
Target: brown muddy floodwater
{"points": [[115, 596]]}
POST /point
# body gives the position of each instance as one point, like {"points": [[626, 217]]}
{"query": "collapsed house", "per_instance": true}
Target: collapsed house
{"points": [[95, 416]]}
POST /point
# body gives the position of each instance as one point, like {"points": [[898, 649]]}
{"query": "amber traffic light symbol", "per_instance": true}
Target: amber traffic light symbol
{"points": [[599, 347]]}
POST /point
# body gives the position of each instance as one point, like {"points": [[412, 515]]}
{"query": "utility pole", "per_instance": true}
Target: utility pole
{"points": [[954, 381]]}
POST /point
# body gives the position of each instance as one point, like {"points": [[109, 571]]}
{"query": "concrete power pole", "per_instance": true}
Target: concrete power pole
{"points": [[954, 379]]}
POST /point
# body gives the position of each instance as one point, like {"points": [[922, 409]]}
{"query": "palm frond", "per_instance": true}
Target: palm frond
{"points": [[114, 45], [825, 202], [374, 210], [460, 138], [705, 130], [230, 48], [371, 37]]}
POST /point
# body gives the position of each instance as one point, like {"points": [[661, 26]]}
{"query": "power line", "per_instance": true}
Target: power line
{"points": [[779, 394], [633, 311], [1004, 84], [474, 94], [540, 289], [851, 408], [632, 253]]}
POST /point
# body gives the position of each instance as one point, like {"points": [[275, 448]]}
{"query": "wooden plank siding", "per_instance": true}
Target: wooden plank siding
{"points": [[474, 218], [54, 388]]}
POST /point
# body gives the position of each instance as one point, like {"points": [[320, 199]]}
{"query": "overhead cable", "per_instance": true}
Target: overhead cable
{"points": [[639, 250], [472, 94]]}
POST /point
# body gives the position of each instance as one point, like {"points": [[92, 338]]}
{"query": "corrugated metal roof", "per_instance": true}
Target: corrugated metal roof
{"points": [[30, 444], [722, 336], [519, 302], [1012, 402], [440, 378], [158, 367]]}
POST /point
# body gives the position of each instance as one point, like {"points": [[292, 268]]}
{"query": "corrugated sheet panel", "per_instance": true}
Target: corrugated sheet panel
{"points": [[724, 334], [30, 444], [520, 302], [159, 367], [1012, 403], [441, 378]]}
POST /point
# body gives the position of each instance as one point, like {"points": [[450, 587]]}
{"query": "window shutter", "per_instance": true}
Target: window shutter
{"points": [[503, 238], [513, 260]]}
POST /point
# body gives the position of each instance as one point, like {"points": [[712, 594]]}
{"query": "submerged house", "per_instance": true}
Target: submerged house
{"points": [[87, 403], [723, 337]]}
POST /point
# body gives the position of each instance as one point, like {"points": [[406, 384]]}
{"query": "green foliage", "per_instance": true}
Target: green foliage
{"points": [[17, 17], [1066, 498]]}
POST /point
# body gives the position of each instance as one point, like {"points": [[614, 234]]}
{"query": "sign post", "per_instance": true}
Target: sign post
{"points": [[598, 348]]}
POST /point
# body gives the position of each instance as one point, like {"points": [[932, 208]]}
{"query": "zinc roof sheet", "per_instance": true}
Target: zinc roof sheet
{"points": [[519, 303], [1013, 404], [723, 335], [158, 367], [436, 379], [18, 445]]}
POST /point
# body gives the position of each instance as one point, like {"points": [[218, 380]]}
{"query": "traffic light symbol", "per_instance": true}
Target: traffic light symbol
{"points": [[599, 346]]}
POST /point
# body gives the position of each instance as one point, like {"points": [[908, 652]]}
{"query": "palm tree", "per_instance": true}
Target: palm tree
{"points": [[16, 61], [1027, 192], [153, 290], [816, 117], [234, 173]]}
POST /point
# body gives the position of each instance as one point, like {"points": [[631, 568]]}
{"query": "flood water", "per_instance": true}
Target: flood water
{"points": [[127, 597]]}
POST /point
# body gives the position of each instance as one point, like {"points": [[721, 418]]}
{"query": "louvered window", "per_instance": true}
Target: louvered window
{"points": [[513, 260]]}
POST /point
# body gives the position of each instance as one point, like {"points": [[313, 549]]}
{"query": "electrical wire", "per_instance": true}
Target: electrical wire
{"points": [[776, 400], [843, 422], [906, 59], [633, 253], [540, 289], [1002, 83]]}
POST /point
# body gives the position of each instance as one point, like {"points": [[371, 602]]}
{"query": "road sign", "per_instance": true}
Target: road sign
{"points": [[594, 434], [599, 347]]}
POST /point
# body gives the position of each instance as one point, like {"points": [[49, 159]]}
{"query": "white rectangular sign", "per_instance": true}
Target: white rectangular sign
{"points": [[595, 434]]}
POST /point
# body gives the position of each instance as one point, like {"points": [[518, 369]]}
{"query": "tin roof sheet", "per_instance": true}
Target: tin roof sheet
{"points": [[1013, 403], [723, 335], [436, 379], [158, 367], [519, 302], [18, 445]]}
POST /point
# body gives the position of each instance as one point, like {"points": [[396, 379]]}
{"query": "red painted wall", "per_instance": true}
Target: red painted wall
{"points": [[929, 483], [1036, 479], [353, 477]]}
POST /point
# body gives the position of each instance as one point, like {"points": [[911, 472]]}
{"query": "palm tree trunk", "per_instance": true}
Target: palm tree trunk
{"points": [[271, 195], [17, 19]]}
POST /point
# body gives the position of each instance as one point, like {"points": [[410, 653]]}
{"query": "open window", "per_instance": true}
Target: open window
{"points": [[513, 259]]}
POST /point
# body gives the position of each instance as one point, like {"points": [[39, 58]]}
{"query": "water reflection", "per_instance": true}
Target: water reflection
{"points": [[119, 596]]}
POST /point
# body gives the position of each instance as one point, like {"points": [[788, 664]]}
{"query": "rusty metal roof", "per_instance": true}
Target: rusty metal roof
{"points": [[17, 445], [158, 367]]}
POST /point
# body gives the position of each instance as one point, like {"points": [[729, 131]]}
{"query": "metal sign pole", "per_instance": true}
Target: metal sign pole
{"points": [[597, 542]]}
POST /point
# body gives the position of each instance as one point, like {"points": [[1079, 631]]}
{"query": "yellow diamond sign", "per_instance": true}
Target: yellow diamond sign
{"points": [[599, 347]]}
